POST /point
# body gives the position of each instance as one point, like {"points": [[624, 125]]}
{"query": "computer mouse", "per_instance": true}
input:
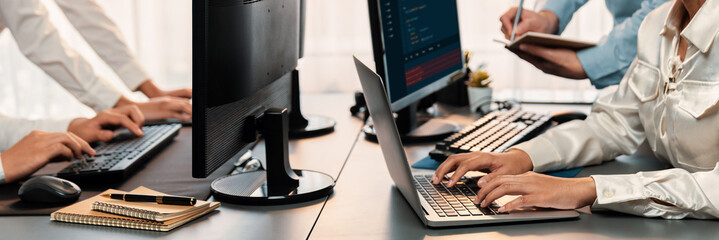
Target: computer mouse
{"points": [[48, 189], [562, 117]]}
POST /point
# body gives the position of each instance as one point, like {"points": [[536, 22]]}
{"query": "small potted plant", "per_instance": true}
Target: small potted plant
{"points": [[478, 91]]}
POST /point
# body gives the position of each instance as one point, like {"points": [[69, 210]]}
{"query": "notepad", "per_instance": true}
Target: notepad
{"points": [[132, 214], [547, 40]]}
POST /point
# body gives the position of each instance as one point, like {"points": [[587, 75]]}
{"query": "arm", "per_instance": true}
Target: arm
{"points": [[564, 10], [613, 129], [671, 194], [40, 42], [606, 63], [105, 38], [14, 129]]}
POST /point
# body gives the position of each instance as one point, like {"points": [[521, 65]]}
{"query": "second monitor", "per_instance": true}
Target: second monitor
{"points": [[418, 54]]}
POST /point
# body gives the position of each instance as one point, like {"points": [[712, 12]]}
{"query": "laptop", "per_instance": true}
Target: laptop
{"points": [[435, 205]]}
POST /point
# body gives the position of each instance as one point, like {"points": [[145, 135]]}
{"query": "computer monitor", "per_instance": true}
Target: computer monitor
{"points": [[417, 51], [244, 56]]}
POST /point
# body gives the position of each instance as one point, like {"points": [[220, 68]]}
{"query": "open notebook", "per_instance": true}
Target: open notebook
{"points": [[547, 40], [173, 216]]}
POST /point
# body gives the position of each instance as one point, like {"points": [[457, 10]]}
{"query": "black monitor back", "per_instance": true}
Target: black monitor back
{"points": [[243, 55]]}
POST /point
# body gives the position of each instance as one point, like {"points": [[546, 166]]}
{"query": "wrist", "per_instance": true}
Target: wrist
{"points": [[123, 101], [552, 21], [523, 159], [150, 89], [588, 190]]}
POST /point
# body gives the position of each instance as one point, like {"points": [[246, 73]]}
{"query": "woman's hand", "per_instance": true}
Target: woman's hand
{"points": [[556, 61], [92, 130], [530, 21], [511, 162], [537, 190], [38, 148]]}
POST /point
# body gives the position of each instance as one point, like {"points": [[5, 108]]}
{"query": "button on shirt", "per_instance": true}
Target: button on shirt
{"points": [[607, 63], [670, 104]]}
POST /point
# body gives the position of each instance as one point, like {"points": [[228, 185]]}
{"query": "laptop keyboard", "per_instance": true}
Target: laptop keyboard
{"points": [[454, 201]]}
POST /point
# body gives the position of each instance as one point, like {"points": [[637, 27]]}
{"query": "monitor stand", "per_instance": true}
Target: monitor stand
{"points": [[279, 183], [312, 125], [412, 131]]}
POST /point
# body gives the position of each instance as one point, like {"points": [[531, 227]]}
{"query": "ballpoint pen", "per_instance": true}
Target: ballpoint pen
{"points": [[173, 200], [516, 19]]}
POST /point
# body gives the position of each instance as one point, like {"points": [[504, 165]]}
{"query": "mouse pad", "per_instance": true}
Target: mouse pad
{"points": [[169, 172], [428, 163]]}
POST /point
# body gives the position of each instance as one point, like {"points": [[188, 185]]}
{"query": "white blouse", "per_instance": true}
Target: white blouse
{"points": [[668, 103]]}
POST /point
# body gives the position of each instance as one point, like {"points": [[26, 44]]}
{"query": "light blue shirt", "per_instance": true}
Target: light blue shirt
{"points": [[607, 63]]}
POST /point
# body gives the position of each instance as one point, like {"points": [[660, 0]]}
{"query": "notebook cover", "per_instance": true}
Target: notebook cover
{"points": [[81, 212]]}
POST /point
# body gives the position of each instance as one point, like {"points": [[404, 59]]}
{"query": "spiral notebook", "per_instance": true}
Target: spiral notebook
{"points": [[132, 214]]}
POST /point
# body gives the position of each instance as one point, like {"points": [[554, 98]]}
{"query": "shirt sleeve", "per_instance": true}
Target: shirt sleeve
{"points": [[2, 171], [612, 129], [606, 63], [40, 42], [564, 9], [105, 38], [688, 194], [14, 129]]}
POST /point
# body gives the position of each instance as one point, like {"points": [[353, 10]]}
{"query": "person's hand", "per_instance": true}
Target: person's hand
{"points": [[167, 107], [556, 61], [152, 91], [38, 148], [511, 162], [93, 130], [543, 21], [537, 190]]}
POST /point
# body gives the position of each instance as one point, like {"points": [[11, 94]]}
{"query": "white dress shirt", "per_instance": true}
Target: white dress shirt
{"points": [[669, 103], [41, 43], [105, 38]]}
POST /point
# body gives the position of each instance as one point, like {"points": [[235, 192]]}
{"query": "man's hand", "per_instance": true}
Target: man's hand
{"points": [[167, 107], [511, 162], [556, 61], [152, 91], [92, 130], [537, 190], [37, 148], [543, 21]]}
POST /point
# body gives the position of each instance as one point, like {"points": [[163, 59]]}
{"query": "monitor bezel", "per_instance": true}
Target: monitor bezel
{"points": [[380, 56]]}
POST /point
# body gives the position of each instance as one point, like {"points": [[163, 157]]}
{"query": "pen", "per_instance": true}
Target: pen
{"points": [[173, 200], [516, 19]]}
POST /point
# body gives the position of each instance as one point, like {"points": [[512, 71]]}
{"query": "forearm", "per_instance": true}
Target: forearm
{"points": [[563, 10], [41, 43], [104, 36], [14, 129], [671, 194]]}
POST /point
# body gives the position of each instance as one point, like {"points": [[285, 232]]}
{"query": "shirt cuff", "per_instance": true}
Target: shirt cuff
{"points": [[101, 96], [54, 125], [601, 64], [612, 189], [564, 11], [542, 153], [2, 172], [133, 74]]}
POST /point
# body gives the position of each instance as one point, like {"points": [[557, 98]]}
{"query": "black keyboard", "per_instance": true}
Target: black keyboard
{"points": [[454, 201], [495, 132], [116, 159]]}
